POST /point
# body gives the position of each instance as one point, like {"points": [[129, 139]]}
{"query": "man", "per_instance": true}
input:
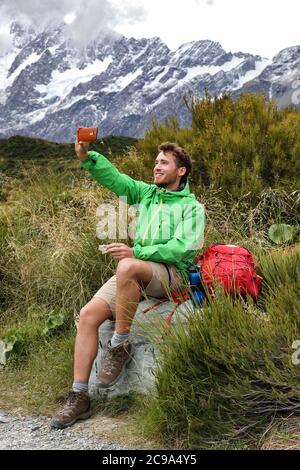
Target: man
{"points": [[169, 230]]}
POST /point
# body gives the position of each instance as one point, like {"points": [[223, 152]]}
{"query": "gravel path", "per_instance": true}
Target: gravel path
{"points": [[27, 433]]}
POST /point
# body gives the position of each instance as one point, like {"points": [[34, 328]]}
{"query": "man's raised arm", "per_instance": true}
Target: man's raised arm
{"points": [[106, 174]]}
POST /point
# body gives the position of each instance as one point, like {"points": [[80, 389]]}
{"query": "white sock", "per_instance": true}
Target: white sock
{"points": [[80, 387], [119, 338]]}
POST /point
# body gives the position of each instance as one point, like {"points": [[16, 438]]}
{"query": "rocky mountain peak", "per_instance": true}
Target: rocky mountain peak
{"points": [[48, 87]]}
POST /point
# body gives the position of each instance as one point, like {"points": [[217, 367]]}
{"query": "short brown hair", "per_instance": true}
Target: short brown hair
{"points": [[181, 157]]}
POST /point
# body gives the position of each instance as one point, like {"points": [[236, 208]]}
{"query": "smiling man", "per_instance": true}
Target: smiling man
{"points": [[166, 168], [169, 230]]}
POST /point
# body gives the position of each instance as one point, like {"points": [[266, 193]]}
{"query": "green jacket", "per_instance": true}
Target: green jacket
{"points": [[170, 225]]}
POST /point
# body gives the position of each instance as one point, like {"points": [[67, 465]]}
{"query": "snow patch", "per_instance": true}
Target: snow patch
{"points": [[38, 115], [193, 72], [211, 69], [122, 82], [180, 51], [252, 74], [5, 64], [156, 82], [53, 49], [62, 83]]}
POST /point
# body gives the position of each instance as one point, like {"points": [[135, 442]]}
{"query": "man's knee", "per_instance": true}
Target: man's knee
{"points": [[128, 267], [94, 315], [87, 315], [134, 270]]}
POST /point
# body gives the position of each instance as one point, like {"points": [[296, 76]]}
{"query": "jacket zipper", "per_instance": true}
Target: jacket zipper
{"points": [[152, 218]]}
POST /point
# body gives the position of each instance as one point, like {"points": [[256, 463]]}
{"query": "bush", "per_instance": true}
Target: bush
{"points": [[227, 376], [237, 145]]}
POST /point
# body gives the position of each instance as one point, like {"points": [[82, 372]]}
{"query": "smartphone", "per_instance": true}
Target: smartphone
{"points": [[87, 134]]}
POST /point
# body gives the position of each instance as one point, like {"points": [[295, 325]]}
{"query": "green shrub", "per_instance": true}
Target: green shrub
{"points": [[227, 376], [237, 145]]}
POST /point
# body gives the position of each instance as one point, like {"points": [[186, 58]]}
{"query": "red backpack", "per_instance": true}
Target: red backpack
{"points": [[232, 266]]}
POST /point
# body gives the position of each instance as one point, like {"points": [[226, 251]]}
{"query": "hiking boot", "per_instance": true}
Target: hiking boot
{"points": [[114, 364], [76, 407]]}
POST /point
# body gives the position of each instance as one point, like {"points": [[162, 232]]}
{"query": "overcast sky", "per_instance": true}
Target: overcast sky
{"points": [[257, 26]]}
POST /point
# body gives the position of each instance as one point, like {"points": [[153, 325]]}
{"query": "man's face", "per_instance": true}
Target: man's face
{"points": [[166, 173]]}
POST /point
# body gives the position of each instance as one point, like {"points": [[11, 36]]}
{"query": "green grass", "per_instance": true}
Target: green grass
{"points": [[18, 153], [38, 383], [19, 147], [119, 405], [49, 247], [227, 377]]}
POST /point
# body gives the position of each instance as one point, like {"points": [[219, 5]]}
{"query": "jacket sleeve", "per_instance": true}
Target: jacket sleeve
{"points": [[106, 174], [188, 236]]}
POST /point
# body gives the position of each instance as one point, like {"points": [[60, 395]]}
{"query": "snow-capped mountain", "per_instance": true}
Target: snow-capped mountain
{"points": [[47, 89]]}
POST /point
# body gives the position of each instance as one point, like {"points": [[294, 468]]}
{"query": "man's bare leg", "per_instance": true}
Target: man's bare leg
{"points": [[131, 275], [92, 315], [78, 404]]}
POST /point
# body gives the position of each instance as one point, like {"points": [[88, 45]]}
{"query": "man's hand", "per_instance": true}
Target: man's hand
{"points": [[81, 150], [119, 250]]}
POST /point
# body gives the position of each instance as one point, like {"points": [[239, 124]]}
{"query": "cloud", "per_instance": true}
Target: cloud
{"points": [[5, 40], [93, 17], [36, 12], [207, 2]]}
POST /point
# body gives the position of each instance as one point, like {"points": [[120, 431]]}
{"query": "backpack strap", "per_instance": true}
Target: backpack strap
{"points": [[169, 274], [178, 298]]}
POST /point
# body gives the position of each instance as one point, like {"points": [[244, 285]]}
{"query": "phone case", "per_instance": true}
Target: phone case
{"points": [[87, 134]]}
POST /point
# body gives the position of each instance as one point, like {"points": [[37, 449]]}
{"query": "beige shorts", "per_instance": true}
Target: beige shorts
{"points": [[165, 279]]}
